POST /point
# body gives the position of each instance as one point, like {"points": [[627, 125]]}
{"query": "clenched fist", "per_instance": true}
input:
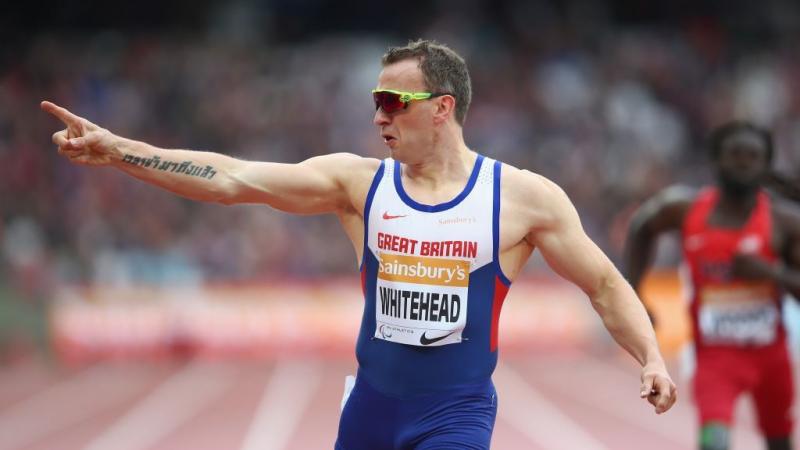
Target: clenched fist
{"points": [[658, 388]]}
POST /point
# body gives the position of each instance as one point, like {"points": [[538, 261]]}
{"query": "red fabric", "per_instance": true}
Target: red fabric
{"points": [[500, 291], [709, 251], [364, 280], [726, 370], [725, 373]]}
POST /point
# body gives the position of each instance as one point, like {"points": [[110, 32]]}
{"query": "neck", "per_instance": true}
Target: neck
{"points": [[736, 198], [447, 159]]}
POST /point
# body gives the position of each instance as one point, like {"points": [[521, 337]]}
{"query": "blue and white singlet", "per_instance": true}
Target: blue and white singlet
{"points": [[432, 285]]}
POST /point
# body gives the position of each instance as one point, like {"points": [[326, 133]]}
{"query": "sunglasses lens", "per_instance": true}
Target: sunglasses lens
{"points": [[389, 102]]}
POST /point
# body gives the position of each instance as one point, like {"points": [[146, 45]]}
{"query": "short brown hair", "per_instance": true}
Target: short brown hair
{"points": [[444, 70]]}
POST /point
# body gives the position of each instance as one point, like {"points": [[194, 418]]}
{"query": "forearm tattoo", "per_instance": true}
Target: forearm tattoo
{"points": [[184, 167]]}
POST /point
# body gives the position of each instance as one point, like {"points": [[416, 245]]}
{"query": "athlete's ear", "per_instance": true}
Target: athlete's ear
{"points": [[445, 107]]}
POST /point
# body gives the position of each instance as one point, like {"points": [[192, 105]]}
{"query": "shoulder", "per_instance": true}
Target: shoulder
{"points": [[351, 174], [524, 185], [346, 167], [786, 212], [340, 161], [532, 197], [678, 197], [666, 210], [785, 185]]}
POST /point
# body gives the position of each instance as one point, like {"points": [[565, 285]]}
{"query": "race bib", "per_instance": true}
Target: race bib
{"points": [[741, 315], [421, 300]]}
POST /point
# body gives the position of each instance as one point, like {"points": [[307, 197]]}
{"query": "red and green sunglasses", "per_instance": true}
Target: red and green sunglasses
{"points": [[391, 101]]}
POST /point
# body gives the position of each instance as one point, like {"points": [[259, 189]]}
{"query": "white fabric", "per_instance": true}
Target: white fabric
{"points": [[425, 260]]}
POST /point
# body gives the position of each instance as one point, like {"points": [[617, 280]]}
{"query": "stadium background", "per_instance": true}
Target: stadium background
{"points": [[111, 286]]}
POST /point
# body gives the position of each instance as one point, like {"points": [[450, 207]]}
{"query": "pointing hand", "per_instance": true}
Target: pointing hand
{"points": [[82, 142]]}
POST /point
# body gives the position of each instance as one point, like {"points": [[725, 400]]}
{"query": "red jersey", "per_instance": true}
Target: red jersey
{"points": [[727, 311]]}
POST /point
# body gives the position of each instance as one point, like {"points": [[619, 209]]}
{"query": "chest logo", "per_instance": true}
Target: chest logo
{"points": [[751, 243], [695, 242], [387, 216]]}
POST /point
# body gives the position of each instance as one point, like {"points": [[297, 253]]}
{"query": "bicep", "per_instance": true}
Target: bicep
{"points": [[570, 252], [577, 259], [313, 186]]}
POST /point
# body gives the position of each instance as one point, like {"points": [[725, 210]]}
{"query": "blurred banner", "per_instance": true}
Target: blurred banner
{"points": [[320, 317], [667, 297]]}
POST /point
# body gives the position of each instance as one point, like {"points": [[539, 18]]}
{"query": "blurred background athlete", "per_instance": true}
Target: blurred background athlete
{"points": [[742, 248]]}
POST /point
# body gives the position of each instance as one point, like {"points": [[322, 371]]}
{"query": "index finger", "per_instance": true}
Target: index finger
{"points": [[61, 113]]}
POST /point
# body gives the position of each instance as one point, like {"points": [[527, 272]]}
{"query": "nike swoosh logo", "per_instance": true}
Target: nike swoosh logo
{"points": [[425, 340], [386, 216]]}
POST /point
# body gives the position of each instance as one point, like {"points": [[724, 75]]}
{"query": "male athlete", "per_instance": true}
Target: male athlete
{"points": [[440, 232], [742, 248]]}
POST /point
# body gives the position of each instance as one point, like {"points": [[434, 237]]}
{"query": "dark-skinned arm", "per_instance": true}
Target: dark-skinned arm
{"points": [[662, 213], [783, 184], [786, 272], [789, 276]]}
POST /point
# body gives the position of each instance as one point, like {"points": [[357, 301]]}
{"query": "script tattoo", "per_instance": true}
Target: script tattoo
{"points": [[184, 167]]}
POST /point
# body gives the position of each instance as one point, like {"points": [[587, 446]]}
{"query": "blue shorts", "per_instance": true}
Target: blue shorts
{"points": [[458, 418]]}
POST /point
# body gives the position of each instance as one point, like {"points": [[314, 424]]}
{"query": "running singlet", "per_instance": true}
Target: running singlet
{"points": [[726, 311], [432, 284]]}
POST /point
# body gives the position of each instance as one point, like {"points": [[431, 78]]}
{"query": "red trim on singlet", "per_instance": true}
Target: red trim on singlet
{"points": [[364, 280], [709, 251], [500, 291]]}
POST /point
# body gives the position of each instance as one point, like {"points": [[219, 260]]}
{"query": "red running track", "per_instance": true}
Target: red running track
{"points": [[547, 402]]}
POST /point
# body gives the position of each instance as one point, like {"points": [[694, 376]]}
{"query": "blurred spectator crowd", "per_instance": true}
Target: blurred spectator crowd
{"points": [[610, 113]]}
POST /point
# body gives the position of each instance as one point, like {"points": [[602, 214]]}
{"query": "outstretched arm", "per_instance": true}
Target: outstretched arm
{"points": [[314, 186], [573, 255]]}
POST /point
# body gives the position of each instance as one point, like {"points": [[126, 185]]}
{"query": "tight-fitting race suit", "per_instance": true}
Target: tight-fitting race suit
{"points": [[428, 341]]}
